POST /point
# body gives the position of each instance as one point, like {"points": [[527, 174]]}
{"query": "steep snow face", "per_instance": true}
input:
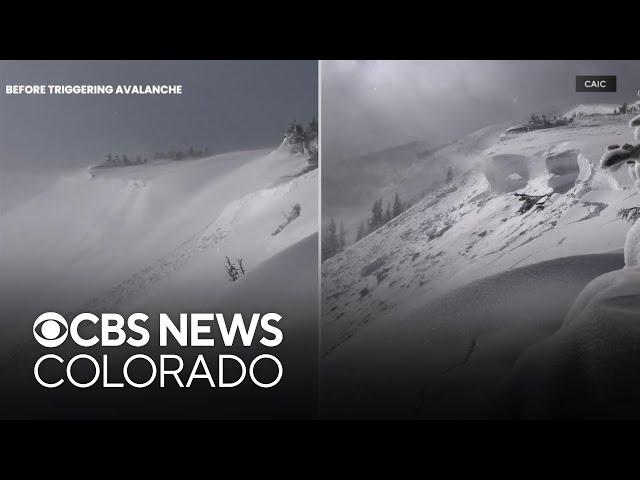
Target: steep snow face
{"points": [[466, 232], [153, 235]]}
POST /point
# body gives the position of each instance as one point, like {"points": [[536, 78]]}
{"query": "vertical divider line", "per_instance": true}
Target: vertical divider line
{"points": [[319, 329]]}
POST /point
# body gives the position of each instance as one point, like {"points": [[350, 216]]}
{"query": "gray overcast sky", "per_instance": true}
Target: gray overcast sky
{"points": [[371, 105], [226, 106]]}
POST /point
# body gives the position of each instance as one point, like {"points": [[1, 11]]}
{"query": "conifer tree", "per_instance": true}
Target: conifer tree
{"points": [[342, 237], [397, 206], [362, 231], [377, 216], [330, 242]]}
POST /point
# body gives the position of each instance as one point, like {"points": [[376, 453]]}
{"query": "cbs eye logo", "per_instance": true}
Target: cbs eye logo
{"points": [[50, 329]]}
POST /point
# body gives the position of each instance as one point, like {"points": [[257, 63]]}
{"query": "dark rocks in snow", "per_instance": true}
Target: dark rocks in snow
{"points": [[538, 123], [122, 161], [530, 201]]}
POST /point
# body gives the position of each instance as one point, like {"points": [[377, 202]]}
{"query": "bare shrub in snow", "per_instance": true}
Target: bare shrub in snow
{"points": [[233, 271], [241, 266]]}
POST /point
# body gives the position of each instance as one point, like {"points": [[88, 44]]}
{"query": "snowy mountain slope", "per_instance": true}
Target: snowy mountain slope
{"points": [[125, 238], [451, 358], [468, 231]]}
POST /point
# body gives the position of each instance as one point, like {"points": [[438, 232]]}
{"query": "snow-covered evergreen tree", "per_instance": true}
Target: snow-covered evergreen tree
{"points": [[311, 133], [295, 137]]}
